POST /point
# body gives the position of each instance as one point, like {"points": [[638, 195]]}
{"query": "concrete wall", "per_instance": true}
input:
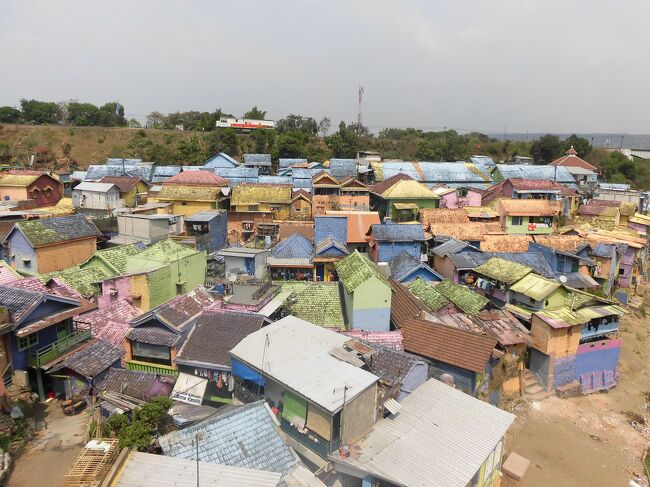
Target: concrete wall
{"points": [[598, 356], [143, 229], [359, 415], [20, 250], [96, 200], [371, 306], [188, 208]]}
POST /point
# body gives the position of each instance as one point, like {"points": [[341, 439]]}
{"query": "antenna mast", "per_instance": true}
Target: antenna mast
{"points": [[359, 112]]}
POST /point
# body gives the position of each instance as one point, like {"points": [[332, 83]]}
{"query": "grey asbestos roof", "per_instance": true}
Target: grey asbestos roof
{"points": [[290, 162], [118, 161], [257, 159], [237, 175], [453, 174], [393, 232], [451, 246], [244, 436], [343, 168], [162, 173], [153, 336], [97, 171], [275, 180]]}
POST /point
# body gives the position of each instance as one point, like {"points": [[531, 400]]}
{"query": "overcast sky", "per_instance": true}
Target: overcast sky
{"points": [[536, 65]]}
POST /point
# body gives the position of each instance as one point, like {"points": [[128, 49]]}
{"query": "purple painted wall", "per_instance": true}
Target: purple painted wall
{"points": [[120, 284]]}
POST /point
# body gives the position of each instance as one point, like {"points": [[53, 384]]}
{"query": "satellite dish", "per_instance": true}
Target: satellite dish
{"points": [[563, 279]]}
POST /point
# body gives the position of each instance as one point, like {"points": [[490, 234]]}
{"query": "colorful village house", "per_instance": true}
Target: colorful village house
{"points": [[451, 259], [584, 173], [244, 261], [330, 237], [569, 257], [400, 198], [318, 303], [43, 189], [205, 355], [187, 266], [472, 232], [301, 206], [332, 194], [366, 293], [222, 160], [133, 190], [458, 197], [155, 337], [96, 200], [482, 214], [496, 276], [205, 230], [261, 162], [359, 223], [143, 289], [111, 322], [406, 268], [291, 259], [38, 329], [271, 198], [398, 449], [145, 228], [113, 259], [576, 342], [640, 223], [529, 216], [619, 192], [194, 191], [389, 240], [599, 216], [314, 377], [400, 373], [42, 246]]}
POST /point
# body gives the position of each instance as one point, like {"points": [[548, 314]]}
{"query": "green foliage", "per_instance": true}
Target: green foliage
{"points": [[117, 423], [82, 114], [255, 114], [145, 422], [189, 151], [344, 143], [137, 435], [40, 112], [297, 123], [546, 149], [153, 412], [5, 442], [580, 144], [221, 140], [291, 145], [10, 115]]}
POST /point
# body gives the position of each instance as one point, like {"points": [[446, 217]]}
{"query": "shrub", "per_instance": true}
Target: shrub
{"points": [[117, 423]]}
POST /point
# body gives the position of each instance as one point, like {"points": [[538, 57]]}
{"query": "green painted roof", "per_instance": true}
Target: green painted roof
{"points": [[319, 303], [58, 229], [81, 280], [188, 193], [253, 194], [115, 257], [428, 295], [166, 251], [463, 298], [535, 286], [355, 269], [503, 270]]}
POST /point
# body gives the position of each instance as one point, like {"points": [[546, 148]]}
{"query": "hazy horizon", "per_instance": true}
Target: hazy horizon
{"points": [[552, 66]]}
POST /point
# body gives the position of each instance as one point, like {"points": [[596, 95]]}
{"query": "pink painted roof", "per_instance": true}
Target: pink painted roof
{"points": [[111, 323], [54, 286], [197, 178], [388, 339]]}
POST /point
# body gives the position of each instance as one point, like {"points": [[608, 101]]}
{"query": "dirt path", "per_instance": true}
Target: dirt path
{"points": [[590, 440], [46, 459]]}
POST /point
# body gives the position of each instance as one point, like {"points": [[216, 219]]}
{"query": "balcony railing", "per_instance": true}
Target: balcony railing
{"points": [[151, 368], [53, 350]]}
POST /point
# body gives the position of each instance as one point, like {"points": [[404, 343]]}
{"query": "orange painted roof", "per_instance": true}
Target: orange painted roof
{"points": [[359, 223]]}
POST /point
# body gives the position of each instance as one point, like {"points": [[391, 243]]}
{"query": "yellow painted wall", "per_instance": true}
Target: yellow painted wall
{"points": [[140, 287], [14, 193], [189, 208]]}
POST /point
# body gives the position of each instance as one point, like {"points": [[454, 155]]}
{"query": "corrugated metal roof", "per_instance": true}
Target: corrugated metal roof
{"points": [[257, 159], [525, 171], [297, 353], [95, 187], [451, 246], [147, 469], [283, 162], [535, 287], [394, 232], [441, 437], [342, 168]]}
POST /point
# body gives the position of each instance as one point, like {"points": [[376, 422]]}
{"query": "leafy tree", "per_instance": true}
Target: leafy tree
{"points": [[82, 114], [154, 412], [580, 144], [155, 120], [259, 137], [546, 149], [117, 423], [40, 112], [112, 115], [344, 143], [189, 151], [221, 140], [324, 126], [66, 149], [360, 130], [139, 145], [290, 145], [134, 124], [10, 115], [255, 114], [137, 435], [297, 123]]}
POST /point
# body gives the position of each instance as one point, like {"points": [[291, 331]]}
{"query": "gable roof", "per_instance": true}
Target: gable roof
{"points": [[404, 264], [166, 250], [530, 207], [380, 339], [527, 171], [443, 215], [409, 189], [565, 243], [331, 226], [535, 287], [123, 183], [240, 436], [82, 279], [431, 298], [286, 162], [111, 323], [597, 210], [342, 168], [359, 222], [355, 269], [19, 179], [293, 250], [393, 366], [196, 178], [134, 383], [49, 231], [253, 194], [522, 184], [472, 231], [397, 232], [297, 354], [91, 358], [115, 257], [221, 160], [215, 333], [257, 159], [330, 247], [503, 270], [388, 183], [571, 159], [464, 299], [318, 303], [451, 246], [95, 187]]}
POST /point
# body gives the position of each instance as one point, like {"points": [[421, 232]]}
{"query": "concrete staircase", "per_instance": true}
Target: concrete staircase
{"points": [[533, 390]]}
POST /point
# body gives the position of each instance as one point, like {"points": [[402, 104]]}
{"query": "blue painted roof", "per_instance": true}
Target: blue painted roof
{"points": [[614, 186], [304, 173], [451, 173], [524, 171], [484, 160], [237, 175], [603, 250], [221, 160], [331, 247], [343, 168], [535, 260], [330, 226], [257, 159], [451, 246], [405, 264], [162, 173], [302, 184], [295, 246], [275, 180], [290, 162], [394, 232], [98, 171], [240, 436]]}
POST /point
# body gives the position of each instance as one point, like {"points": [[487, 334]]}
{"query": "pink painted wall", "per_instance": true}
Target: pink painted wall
{"points": [[123, 287]]}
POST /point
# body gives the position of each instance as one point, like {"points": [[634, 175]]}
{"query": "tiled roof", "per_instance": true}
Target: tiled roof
{"points": [[189, 193], [535, 287], [428, 294], [19, 302], [405, 264], [115, 257], [355, 269], [535, 184], [392, 366], [215, 334], [330, 247], [464, 349], [291, 248], [463, 298], [473, 231], [7, 273], [506, 243], [572, 160], [404, 304], [284, 162], [153, 336], [530, 207], [92, 358], [58, 229], [443, 215], [398, 232], [408, 189], [242, 436], [597, 202], [111, 323], [595, 210], [177, 311], [499, 323], [384, 339], [196, 178], [341, 168], [256, 159], [318, 303], [124, 183], [331, 226], [134, 383], [22, 180], [566, 243], [503, 270], [83, 280], [54, 286], [359, 223], [379, 188], [166, 250], [253, 194], [534, 260]]}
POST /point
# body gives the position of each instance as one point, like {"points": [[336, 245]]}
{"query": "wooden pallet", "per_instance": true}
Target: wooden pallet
{"points": [[91, 466]]}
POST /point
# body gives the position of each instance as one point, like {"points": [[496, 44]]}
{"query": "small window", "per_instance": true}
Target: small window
{"points": [[253, 207], [61, 327], [27, 342], [517, 220], [621, 272]]}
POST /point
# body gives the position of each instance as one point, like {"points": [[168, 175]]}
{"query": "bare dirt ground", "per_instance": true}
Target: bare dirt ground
{"points": [[590, 440], [47, 458]]}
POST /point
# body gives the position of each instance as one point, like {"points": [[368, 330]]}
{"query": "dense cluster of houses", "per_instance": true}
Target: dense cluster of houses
{"points": [[356, 322]]}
